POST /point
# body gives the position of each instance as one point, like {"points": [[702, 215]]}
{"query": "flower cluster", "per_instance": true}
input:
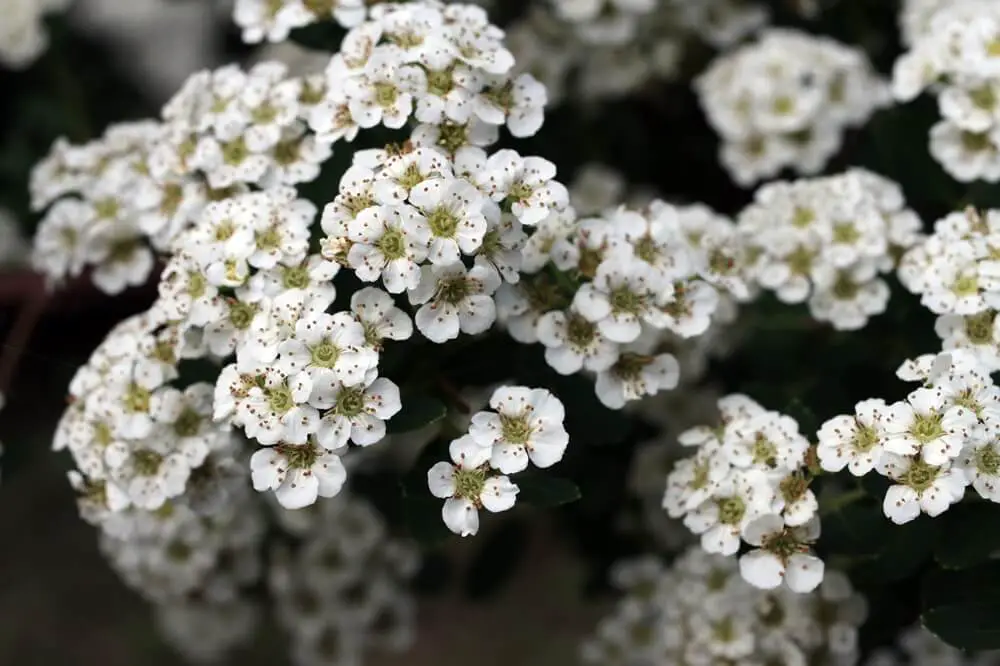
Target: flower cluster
{"points": [[953, 53], [411, 217], [23, 36], [525, 426], [827, 240], [614, 47], [445, 65], [699, 611], [785, 102], [607, 294], [933, 444], [748, 480], [273, 20], [342, 592], [955, 271]]}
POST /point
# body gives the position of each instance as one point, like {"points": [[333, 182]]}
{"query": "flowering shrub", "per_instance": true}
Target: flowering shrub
{"points": [[392, 294]]}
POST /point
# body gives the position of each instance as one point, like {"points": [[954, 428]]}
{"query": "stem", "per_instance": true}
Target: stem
{"points": [[17, 341]]}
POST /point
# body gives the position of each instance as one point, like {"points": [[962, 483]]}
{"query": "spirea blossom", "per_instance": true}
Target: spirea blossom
{"points": [[785, 102], [23, 36], [700, 610], [826, 241]]}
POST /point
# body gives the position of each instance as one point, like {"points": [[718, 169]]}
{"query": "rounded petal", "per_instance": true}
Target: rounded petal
{"points": [[762, 569], [499, 494], [460, 516]]}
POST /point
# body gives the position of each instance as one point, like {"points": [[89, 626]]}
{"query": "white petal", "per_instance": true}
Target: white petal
{"points": [[461, 516], [804, 573], [762, 569], [441, 480], [499, 494]]}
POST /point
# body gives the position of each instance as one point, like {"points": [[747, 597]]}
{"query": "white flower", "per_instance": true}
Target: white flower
{"points": [[328, 347], [527, 425], [924, 423], [467, 486], [740, 498], [356, 413], [573, 343], [782, 555], [919, 487], [634, 376], [526, 184], [454, 300], [622, 296], [379, 317], [386, 244], [384, 92], [853, 441], [297, 474], [452, 219]]}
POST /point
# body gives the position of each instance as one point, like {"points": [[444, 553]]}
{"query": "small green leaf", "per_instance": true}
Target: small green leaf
{"points": [[323, 36], [545, 491], [422, 515], [497, 560], [965, 542], [419, 410], [963, 607]]}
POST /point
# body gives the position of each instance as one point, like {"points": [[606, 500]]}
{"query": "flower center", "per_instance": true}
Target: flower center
{"points": [[920, 476], [350, 401], [731, 510], [386, 94], [443, 222], [845, 232], [269, 239], [241, 314], [452, 136], [146, 462], [137, 399], [455, 290], [979, 327], [469, 483], [235, 152], [440, 83], [188, 423], [865, 439], [298, 457], [325, 354], [764, 451], [927, 427], [624, 300], [296, 277], [279, 399], [579, 332], [392, 244], [987, 460], [515, 429], [647, 249]]}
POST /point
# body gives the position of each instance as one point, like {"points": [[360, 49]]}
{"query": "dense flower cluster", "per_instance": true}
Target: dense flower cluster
{"points": [[748, 480], [954, 54], [614, 47], [932, 445], [608, 294], [825, 241], [955, 271], [342, 593], [785, 102], [699, 611], [23, 36], [273, 20]]}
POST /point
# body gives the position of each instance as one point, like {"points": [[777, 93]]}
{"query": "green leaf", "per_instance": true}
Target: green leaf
{"points": [[965, 542], [323, 36], [963, 607], [545, 491], [422, 515], [419, 410], [497, 560]]}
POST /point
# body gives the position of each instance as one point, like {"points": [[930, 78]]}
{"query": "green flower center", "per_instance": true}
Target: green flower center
{"points": [[137, 399], [188, 423], [764, 451], [392, 244], [515, 429], [102, 434], [629, 366], [411, 177], [579, 332], [296, 277], [731, 510], [927, 428], [967, 285], [146, 462], [455, 290], [279, 399], [920, 476], [844, 288], [700, 478], [443, 222], [173, 195], [502, 96], [865, 439], [983, 98], [647, 249], [979, 327], [320, 8], [269, 239], [235, 152], [287, 152], [386, 94], [350, 401], [440, 83], [469, 483], [624, 300], [975, 142], [264, 114], [196, 285], [845, 232], [225, 230], [241, 314], [800, 261], [107, 208], [987, 460], [452, 136], [325, 354], [299, 457], [803, 217]]}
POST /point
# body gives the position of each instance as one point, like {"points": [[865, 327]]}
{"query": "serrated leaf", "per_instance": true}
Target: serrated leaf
{"points": [[963, 607], [497, 560], [965, 541], [418, 411], [545, 491]]}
